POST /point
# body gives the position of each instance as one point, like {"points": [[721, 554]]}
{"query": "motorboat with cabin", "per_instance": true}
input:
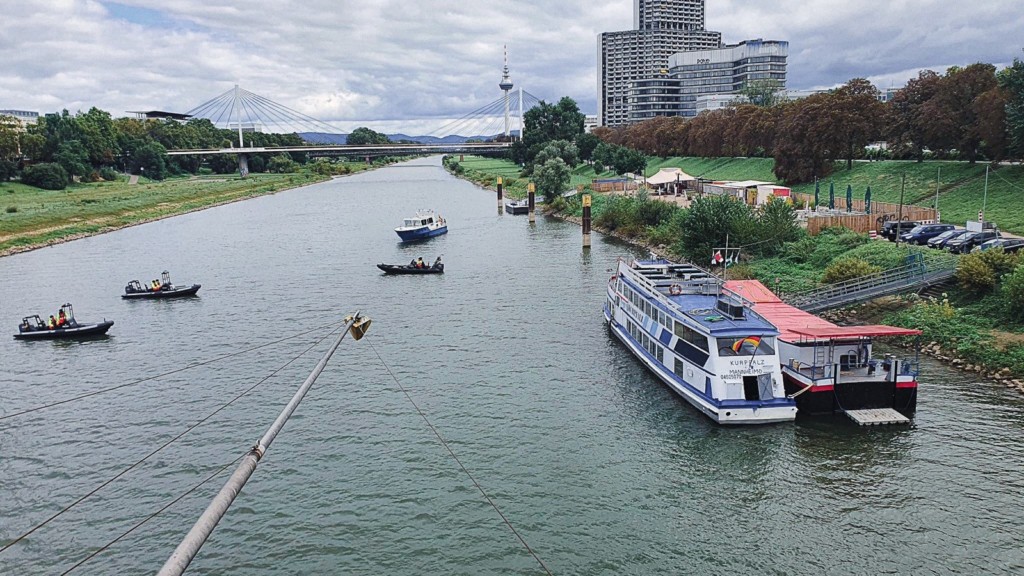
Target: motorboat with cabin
{"points": [[136, 291], [424, 224], [413, 268], [701, 339], [832, 369], [65, 326]]}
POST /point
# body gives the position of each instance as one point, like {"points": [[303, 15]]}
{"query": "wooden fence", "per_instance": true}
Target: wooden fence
{"points": [[857, 220], [613, 185]]}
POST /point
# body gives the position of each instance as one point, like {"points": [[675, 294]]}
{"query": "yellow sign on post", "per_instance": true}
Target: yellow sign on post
{"points": [[499, 180], [586, 200], [529, 187]]}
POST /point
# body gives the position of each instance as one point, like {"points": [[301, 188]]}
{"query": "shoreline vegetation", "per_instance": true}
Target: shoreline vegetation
{"points": [[36, 218], [968, 326]]}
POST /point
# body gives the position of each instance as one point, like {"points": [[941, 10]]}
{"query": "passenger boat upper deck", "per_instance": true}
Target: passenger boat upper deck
{"points": [[701, 339]]}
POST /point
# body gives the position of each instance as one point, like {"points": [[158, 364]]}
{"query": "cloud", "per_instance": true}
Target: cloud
{"points": [[390, 62]]}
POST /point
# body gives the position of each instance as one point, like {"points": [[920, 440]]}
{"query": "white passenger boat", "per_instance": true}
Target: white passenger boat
{"points": [[702, 340]]}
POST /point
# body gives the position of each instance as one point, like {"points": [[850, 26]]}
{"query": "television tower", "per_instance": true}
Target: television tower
{"points": [[506, 85]]}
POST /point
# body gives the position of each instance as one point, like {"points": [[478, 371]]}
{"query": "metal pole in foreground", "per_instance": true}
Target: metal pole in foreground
{"points": [[586, 220], [196, 537], [501, 208]]}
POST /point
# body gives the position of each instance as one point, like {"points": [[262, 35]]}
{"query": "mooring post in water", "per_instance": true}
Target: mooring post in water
{"points": [[586, 220], [530, 194], [196, 537], [500, 207]]}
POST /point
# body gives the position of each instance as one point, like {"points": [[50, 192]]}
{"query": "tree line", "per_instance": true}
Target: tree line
{"points": [[92, 146], [970, 113]]}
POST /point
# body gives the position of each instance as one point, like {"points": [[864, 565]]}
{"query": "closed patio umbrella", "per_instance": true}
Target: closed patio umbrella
{"points": [[867, 200], [849, 197], [816, 188], [831, 195]]}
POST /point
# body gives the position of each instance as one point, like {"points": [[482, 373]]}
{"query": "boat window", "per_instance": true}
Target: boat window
{"points": [[692, 336], [746, 346]]}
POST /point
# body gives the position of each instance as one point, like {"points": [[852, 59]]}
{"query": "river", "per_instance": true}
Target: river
{"points": [[599, 467]]}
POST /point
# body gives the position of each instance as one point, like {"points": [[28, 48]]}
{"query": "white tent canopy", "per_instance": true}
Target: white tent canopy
{"points": [[668, 175]]}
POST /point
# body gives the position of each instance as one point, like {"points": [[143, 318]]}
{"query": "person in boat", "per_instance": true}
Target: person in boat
{"points": [[155, 285], [62, 319], [419, 263], [412, 263], [437, 263], [51, 324]]}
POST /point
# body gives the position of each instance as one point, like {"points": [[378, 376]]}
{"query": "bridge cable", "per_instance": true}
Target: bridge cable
{"points": [[459, 462], [123, 535], [164, 445], [158, 376]]}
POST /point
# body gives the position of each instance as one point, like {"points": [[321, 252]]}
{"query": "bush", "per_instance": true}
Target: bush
{"points": [[979, 272], [12, 209], [1013, 293], [48, 176], [848, 269], [109, 174]]}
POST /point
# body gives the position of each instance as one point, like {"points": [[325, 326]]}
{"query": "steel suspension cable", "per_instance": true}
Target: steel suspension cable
{"points": [[459, 462], [157, 376], [103, 548], [162, 446]]}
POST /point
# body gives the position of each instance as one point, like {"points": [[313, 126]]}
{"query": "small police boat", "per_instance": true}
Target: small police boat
{"points": [[425, 224], [135, 290], [33, 327], [411, 268]]}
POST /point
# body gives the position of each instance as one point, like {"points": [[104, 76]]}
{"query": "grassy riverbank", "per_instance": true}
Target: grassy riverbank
{"points": [[31, 217], [975, 332], [961, 186]]}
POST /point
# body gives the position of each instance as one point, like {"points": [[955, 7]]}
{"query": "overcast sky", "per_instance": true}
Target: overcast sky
{"points": [[406, 65]]}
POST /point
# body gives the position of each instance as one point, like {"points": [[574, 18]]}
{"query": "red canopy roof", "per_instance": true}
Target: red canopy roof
{"points": [[796, 325]]}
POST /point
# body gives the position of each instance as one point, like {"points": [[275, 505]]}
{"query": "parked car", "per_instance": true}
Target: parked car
{"points": [[925, 232], [1009, 245], [940, 240], [893, 228], [964, 244]]}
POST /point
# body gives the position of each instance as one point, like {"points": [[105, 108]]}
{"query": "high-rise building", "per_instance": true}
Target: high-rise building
{"points": [[661, 28], [700, 80]]}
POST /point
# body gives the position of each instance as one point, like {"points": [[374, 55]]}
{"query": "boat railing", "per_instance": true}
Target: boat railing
{"points": [[703, 283]]}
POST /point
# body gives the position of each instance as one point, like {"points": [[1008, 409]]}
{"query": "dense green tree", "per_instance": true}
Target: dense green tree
{"points": [[150, 160], [555, 149], [32, 145], [708, 222], [10, 145], [98, 136], [546, 122], [71, 155], [776, 225], [586, 143], [1011, 80], [552, 178], [855, 118], [363, 136], [282, 164], [628, 160]]}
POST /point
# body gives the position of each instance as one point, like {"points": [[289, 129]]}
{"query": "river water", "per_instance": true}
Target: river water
{"points": [[599, 467]]}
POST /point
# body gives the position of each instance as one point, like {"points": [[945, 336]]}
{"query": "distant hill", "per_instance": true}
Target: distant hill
{"points": [[342, 139]]}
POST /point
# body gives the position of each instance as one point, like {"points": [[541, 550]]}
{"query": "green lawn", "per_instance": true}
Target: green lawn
{"points": [[961, 185], [31, 216]]}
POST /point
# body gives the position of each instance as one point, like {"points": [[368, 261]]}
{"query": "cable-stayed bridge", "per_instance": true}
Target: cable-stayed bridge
{"points": [[244, 111]]}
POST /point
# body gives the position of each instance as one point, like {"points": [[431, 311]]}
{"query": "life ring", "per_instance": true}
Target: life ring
{"points": [[675, 289], [613, 278]]}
